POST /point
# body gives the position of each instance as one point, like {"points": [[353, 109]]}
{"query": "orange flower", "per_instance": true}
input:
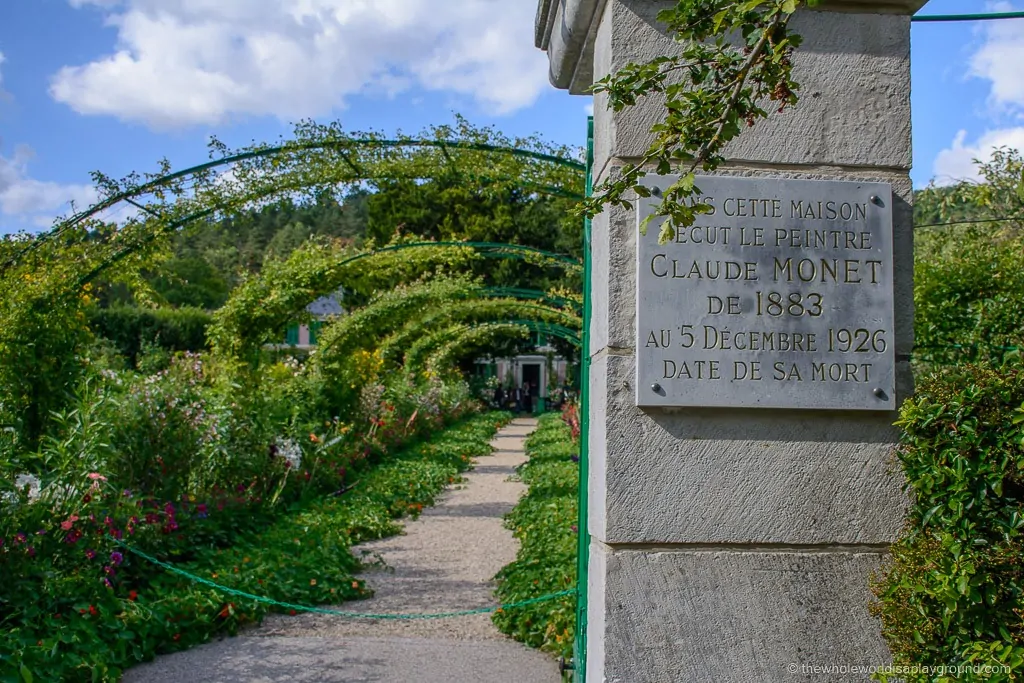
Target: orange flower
{"points": [[313, 438], [312, 582]]}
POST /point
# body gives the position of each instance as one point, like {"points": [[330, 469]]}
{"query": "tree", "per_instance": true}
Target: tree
{"points": [[969, 276], [712, 89], [451, 208], [190, 281]]}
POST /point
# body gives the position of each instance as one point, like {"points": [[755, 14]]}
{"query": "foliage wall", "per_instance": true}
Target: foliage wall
{"points": [[969, 276], [954, 591], [132, 328]]}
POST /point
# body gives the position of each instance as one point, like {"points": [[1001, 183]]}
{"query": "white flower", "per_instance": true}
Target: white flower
{"points": [[20, 482], [290, 451], [31, 481]]}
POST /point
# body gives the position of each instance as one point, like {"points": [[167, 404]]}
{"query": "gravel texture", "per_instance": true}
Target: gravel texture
{"points": [[443, 562]]}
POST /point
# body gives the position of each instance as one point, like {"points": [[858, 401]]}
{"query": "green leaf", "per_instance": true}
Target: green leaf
{"points": [[645, 222], [928, 515], [26, 675]]}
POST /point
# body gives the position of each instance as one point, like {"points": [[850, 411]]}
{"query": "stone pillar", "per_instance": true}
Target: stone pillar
{"points": [[738, 544]]}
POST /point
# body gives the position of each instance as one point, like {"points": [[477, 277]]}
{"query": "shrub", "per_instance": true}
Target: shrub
{"points": [[42, 333], [954, 592], [544, 521], [131, 327], [969, 277]]}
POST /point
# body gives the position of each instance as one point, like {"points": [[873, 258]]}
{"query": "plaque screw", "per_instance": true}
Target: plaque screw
{"points": [[655, 387], [656, 191], [880, 394], [875, 199]]}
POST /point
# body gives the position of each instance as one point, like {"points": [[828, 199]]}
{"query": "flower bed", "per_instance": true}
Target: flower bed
{"points": [[237, 486]]}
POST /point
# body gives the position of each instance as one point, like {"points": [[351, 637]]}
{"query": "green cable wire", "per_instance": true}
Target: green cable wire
{"points": [[968, 17], [336, 612]]}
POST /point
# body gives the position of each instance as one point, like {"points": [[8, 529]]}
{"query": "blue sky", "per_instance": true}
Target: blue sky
{"points": [[115, 85]]}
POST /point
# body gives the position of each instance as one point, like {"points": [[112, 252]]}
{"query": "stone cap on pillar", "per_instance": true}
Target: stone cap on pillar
{"points": [[565, 30]]}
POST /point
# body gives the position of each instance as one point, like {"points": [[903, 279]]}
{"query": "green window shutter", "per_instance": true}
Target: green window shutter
{"points": [[292, 335]]}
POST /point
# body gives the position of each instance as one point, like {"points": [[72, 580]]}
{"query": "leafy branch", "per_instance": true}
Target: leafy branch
{"points": [[737, 58]]}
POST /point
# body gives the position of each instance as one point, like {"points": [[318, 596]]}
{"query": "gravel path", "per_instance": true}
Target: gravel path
{"points": [[443, 562]]}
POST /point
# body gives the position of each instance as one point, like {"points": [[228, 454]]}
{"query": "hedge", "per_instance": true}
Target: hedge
{"points": [[544, 521], [131, 327], [953, 590]]}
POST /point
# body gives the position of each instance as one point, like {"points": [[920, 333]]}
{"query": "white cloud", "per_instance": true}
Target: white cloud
{"points": [[186, 62], [999, 58], [589, 108], [957, 162], [36, 201]]}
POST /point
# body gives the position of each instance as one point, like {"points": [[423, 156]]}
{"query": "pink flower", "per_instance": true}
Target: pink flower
{"points": [[97, 476], [69, 522]]}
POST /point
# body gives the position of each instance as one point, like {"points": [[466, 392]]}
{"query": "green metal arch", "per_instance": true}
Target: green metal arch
{"points": [[487, 249], [536, 294], [527, 308], [491, 249], [552, 329], [156, 183], [506, 326]]}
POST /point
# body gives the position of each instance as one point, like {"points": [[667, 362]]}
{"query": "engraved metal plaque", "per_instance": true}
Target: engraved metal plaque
{"points": [[780, 297]]}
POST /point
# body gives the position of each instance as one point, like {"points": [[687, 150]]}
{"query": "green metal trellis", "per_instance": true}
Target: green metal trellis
{"points": [[536, 294], [583, 542], [161, 183], [551, 329], [967, 17]]}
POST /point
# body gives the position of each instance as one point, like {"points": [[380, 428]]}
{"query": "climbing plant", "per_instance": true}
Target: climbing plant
{"points": [[43, 325], [262, 306], [735, 60], [401, 344], [343, 338], [417, 353], [321, 158], [471, 340]]}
